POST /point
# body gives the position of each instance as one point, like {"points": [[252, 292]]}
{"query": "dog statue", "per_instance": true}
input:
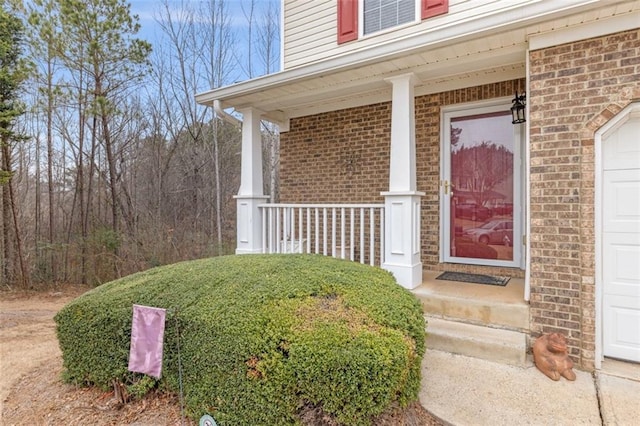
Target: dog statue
{"points": [[550, 356]]}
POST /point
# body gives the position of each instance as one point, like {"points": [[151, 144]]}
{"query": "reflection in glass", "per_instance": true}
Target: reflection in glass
{"points": [[482, 149]]}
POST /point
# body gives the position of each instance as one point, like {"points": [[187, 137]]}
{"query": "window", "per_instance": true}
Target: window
{"points": [[378, 15], [382, 14]]}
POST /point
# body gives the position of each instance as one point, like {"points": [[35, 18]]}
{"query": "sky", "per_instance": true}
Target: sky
{"points": [[148, 10]]}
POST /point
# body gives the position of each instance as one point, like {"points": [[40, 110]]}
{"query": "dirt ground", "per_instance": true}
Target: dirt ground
{"points": [[32, 393]]}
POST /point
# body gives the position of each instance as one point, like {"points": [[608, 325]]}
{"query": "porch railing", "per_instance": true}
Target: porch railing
{"points": [[347, 231]]}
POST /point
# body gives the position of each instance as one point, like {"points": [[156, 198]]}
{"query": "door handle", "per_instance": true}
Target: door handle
{"points": [[446, 184]]}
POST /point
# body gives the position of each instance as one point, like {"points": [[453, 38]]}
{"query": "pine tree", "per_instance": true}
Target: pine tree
{"points": [[13, 73], [99, 44]]}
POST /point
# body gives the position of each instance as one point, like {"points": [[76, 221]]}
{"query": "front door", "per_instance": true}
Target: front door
{"points": [[481, 194], [620, 252]]}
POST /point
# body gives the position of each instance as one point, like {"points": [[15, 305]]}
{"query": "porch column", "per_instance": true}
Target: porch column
{"points": [[250, 195], [402, 201]]}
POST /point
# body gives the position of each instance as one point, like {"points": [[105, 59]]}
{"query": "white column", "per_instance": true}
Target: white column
{"points": [[402, 201], [250, 194]]}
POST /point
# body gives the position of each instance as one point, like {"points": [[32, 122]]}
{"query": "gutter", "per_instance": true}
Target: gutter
{"points": [[282, 123], [217, 107]]}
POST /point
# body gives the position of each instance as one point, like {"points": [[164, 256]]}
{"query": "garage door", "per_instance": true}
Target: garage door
{"points": [[621, 241]]}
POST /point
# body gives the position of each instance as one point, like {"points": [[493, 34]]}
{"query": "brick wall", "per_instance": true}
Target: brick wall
{"points": [[337, 157], [574, 89], [343, 157]]}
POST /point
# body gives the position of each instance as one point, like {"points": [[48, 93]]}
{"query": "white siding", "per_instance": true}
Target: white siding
{"points": [[310, 27]]}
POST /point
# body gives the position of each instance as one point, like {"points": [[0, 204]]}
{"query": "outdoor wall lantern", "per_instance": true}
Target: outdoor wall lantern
{"points": [[517, 110]]}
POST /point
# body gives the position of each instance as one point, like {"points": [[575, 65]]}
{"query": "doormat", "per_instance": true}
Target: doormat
{"points": [[473, 278]]}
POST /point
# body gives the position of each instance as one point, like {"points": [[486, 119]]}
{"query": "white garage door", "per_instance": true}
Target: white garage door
{"points": [[621, 241]]}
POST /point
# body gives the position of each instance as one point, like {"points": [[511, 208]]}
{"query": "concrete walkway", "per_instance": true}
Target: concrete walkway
{"points": [[469, 391]]}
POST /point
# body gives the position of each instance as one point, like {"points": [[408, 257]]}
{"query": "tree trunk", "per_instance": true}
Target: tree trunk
{"points": [[111, 164], [10, 203], [52, 223], [7, 264], [38, 201]]}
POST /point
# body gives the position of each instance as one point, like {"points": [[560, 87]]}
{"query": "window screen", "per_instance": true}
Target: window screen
{"points": [[381, 14]]}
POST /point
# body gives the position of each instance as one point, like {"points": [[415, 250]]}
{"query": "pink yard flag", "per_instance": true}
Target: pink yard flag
{"points": [[147, 337]]}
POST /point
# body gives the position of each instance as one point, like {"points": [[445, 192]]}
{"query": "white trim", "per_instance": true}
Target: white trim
{"points": [[598, 245], [479, 107], [322, 205], [601, 133], [402, 151], [362, 35], [585, 31], [251, 180], [249, 225], [527, 190], [403, 193], [402, 238], [402, 201]]}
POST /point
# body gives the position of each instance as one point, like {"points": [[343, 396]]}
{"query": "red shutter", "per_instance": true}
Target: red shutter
{"points": [[347, 20], [430, 8]]}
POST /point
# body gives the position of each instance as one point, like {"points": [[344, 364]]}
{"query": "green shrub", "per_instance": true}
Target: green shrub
{"points": [[259, 337]]}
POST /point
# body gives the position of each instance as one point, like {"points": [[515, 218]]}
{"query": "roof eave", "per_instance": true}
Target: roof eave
{"points": [[390, 50]]}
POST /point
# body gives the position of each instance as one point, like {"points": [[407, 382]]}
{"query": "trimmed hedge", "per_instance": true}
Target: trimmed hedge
{"points": [[259, 336]]}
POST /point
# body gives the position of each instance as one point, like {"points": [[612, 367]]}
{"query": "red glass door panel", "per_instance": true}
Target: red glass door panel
{"points": [[482, 187]]}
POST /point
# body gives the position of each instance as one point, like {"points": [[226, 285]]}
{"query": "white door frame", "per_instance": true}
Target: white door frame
{"points": [[519, 158], [612, 125]]}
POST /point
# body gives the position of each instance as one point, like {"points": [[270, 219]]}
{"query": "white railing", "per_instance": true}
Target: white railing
{"points": [[347, 231]]}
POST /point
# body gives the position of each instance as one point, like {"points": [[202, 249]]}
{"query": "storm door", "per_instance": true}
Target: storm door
{"points": [[481, 185]]}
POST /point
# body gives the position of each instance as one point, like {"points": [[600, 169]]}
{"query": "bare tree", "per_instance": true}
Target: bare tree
{"points": [[202, 46], [215, 60], [248, 10], [134, 178], [268, 53], [43, 23], [268, 32]]}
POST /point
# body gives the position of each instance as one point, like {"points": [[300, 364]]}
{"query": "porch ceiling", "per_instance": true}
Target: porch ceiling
{"points": [[480, 61], [493, 55], [453, 67]]}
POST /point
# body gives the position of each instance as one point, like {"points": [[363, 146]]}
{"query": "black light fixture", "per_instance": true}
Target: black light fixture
{"points": [[517, 110]]}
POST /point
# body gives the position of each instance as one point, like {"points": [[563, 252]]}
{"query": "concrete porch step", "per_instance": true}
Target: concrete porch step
{"points": [[491, 314], [485, 305], [492, 344]]}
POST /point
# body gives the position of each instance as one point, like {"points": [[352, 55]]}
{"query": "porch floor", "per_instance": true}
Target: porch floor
{"points": [[512, 293]]}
